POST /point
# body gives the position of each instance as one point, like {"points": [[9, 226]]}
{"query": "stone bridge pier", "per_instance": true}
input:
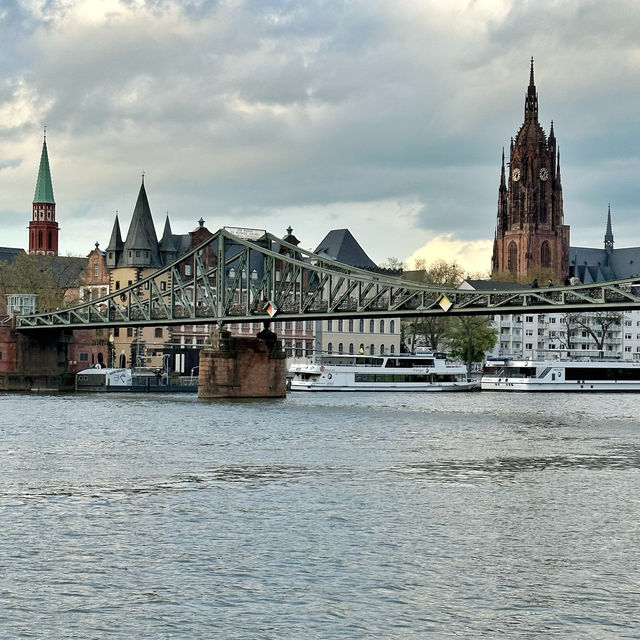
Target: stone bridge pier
{"points": [[35, 361], [241, 367]]}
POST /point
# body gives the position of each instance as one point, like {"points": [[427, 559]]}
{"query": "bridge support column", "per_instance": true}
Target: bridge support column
{"points": [[37, 361], [241, 367]]}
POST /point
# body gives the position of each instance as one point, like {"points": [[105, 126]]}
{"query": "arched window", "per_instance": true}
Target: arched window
{"points": [[340, 348], [512, 257], [361, 325], [232, 273], [372, 350], [392, 348], [330, 348], [350, 325], [371, 326], [381, 349], [381, 326], [545, 255], [340, 325], [392, 326], [254, 274], [351, 348], [361, 348]]}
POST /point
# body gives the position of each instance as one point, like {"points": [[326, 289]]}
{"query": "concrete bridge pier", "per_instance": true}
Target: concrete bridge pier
{"points": [[241, 367]]}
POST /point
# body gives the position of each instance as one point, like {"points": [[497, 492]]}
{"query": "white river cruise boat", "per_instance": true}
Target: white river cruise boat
{"points": [[406, 372], [504, 374]]}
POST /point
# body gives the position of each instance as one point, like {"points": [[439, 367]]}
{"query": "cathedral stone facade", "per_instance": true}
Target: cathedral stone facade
{"points": [[531, 237]]}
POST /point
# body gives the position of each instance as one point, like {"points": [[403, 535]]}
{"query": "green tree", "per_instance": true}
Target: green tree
{"points": [[470, 337]]}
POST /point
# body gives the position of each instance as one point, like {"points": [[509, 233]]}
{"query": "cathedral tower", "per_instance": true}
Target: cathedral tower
{"points": [[530, 233], [43, 228]]}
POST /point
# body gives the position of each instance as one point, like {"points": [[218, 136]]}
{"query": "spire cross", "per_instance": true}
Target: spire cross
{"points": [[143, 176]]}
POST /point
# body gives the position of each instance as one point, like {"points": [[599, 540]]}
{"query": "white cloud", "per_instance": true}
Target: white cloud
{"points": [[473, 256], [384, 117]]}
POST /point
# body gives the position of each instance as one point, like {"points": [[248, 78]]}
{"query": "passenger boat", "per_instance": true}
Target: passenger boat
{"points": [[406, 372], [505, 374]]}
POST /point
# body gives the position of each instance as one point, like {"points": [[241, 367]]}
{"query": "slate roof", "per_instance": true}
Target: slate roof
{"points": [[9, 254], [142, 233], [115, 242], [340, 245], [491, 285], [599, 265]]}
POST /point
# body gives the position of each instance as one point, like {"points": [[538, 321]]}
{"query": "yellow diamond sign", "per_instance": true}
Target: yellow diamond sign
{"points": [[445, 303]]}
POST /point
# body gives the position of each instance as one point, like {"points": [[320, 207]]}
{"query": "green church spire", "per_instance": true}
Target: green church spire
{"points": [[44, 187]]}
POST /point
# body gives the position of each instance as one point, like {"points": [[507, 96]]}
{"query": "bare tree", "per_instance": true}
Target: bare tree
{"points": [[597, 324]]}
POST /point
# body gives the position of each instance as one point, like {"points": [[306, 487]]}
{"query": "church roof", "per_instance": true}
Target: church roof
{"points": [[44, 187], [340, 245]]}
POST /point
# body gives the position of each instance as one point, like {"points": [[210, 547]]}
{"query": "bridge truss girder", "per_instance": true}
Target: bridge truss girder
{"points": [[299, 284]]}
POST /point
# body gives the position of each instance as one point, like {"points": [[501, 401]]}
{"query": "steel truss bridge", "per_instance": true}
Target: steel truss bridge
{"points": [[250, 275]]}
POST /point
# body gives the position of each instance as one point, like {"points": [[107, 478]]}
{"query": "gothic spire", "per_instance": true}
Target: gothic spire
{"points": [[503, 181], [531, 101], [44, 187], [608, 236]]}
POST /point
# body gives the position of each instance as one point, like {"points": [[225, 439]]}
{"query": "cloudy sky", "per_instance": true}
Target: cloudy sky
{"points": [[384, 116]]}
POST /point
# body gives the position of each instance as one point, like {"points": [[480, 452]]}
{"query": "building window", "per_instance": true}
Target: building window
{"points": [[371, 326], [381, 349], [158, 333], [96, 270], [309, 325], [372, 350], [392, 326], [381, 326], [340, 325], [84, 357], [116, 332], [0, 355], [361, 326], [512, 257], [163, 286], [329, 325], [129, 332], [545, 255], [117, 284], [340, 348], [392, 349], [361, 348], [330, 348], [254, 275], [351, 348], [308, 348], [350, 325], [187, 269], [232, 273]]}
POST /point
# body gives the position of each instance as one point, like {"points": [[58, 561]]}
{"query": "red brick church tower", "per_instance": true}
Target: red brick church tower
{"points": [[43, 228], [530, 233]]}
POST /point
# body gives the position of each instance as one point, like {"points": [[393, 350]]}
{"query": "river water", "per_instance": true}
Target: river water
{"points": [[477, 515]]}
